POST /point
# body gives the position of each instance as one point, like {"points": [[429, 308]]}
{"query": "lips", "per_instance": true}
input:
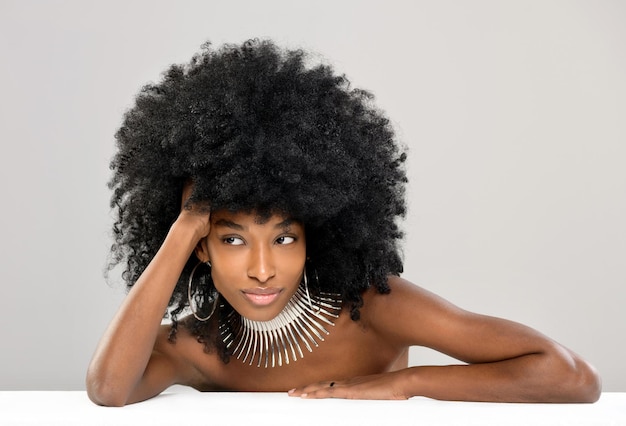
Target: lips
{"points": [[261, 296]]}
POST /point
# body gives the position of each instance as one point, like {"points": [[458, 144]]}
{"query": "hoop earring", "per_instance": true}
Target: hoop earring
{"points": [[306, 289], [192, 303]]}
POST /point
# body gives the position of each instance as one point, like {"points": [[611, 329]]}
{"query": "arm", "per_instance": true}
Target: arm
{"points": [[126, 366], [506, 361]]}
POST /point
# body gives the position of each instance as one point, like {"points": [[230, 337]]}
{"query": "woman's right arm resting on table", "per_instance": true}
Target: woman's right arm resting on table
{"points": [[126, 366]]}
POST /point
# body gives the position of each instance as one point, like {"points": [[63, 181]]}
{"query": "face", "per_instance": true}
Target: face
{"points": [[256, 266]]}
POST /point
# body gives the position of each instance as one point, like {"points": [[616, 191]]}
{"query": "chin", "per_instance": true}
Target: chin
{"points": [[264, 310], [262, 313]]}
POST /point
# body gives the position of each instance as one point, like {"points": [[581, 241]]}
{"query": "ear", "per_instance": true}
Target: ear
{"points": [[202, 250]]}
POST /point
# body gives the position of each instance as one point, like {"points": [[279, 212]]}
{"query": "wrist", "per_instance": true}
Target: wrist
{"points": [[412, 383], [190, 226], [182, 237]]}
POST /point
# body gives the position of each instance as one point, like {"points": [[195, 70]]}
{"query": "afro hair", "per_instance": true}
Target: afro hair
{"points": [[257, 129]]}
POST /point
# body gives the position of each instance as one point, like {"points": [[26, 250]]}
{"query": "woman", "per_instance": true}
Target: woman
{"points": [[259, 198]]}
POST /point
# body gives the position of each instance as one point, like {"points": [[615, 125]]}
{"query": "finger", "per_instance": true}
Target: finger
{"points": [[318, 390], [187, 190], [303, 390], [294, 392], [323, 393]]}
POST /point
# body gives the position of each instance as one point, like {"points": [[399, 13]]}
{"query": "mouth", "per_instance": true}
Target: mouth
{"points": [[261, 296]]}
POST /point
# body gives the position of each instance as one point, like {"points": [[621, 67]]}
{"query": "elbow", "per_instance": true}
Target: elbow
{"points": [[100, 395], [578, 381], [101, 392], [586, 382]]}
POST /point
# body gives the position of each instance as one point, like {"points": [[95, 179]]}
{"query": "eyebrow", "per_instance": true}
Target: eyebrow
{"points": [[285, 224], [228, 224]]}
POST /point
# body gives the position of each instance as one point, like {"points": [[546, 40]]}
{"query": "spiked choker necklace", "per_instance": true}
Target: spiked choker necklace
{"points": [[280, 340]]}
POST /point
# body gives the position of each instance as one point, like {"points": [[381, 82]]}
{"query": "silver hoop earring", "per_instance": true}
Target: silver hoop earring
{"points": [[193, 305], [306, 289]]}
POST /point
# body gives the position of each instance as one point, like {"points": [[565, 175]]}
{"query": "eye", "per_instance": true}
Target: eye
{"points": [[285, 240], [233, 241]]}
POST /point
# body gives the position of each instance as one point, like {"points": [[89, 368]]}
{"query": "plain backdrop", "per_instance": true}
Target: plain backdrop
{"points": [[514, 113]]}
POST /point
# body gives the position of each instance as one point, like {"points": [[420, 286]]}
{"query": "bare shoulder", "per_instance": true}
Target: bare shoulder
{"points": [[183, 354], [167, 346], [410, 314], [407, 298], [171, 351], [198, 366]]}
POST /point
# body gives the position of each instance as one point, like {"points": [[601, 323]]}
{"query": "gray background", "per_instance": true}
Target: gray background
{"points": [[514, 113]]}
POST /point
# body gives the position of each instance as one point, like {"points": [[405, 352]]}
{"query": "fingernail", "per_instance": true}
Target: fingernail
{"points": [[291, 390], [304, 395]]}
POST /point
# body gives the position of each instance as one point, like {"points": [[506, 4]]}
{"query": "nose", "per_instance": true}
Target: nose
{"points": [[261, 264]]}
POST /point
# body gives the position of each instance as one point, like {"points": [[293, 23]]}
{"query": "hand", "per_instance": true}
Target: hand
{"points": [[377, 386], [192, 215]]}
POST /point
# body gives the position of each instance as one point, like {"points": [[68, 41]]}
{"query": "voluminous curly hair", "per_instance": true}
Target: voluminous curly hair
{"points": [[256, 129]]}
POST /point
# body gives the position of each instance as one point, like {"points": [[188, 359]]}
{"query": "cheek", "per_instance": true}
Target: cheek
{"points": [[294, 264], [225, 266]]}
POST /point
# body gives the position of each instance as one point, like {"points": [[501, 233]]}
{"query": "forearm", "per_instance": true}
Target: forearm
{"points": [[125, 348], [555, 376]]}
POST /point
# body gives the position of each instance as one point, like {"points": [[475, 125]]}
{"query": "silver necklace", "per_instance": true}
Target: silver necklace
{"points": [[279, 340]]}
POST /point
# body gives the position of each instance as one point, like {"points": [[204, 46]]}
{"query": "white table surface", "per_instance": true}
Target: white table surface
{"points": [[181, 407]]}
